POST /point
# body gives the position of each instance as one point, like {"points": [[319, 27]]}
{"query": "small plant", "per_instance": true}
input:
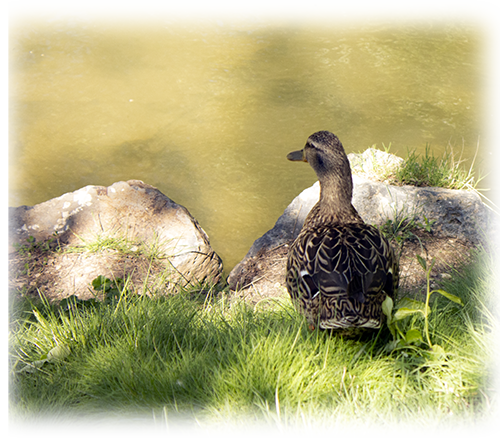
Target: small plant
{"points": [[427, 225], [113, 292], [31, 245], [112, 289], [56, 354], [412, 307], [401, 228], [25, 248], [33, 253]]}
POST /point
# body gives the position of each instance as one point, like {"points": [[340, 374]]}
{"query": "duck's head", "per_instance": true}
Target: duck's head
{"points": [[326, 155]]}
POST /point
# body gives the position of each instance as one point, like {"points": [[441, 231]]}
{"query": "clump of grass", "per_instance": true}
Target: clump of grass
{"points": [[402, 228], [211, 360], [447, 172], [430, 171], [403, 223], [152, 249]]}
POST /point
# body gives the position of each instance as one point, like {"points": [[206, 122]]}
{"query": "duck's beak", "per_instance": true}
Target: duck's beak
{"points": [[297, 156]]}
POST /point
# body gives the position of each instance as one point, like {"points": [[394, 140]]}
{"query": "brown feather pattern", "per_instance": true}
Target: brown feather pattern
{"points": [[339, 269]]}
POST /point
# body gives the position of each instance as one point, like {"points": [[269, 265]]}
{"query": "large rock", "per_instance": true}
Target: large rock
{"points": [[129, 229], [458, 219]]}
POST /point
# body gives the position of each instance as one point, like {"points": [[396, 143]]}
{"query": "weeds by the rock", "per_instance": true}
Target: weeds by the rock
{"points": [[410, 307]]}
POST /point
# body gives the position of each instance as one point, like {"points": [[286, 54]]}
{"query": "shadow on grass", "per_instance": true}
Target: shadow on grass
{"points": [[146, 352]]}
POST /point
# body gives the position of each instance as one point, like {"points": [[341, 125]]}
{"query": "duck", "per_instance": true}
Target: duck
{"points": [[339, 269]]}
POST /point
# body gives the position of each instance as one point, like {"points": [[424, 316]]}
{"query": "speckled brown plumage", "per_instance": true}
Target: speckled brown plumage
{"points": [[339, 269]]}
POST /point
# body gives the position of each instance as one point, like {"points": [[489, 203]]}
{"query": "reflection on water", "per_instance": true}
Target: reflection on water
{"points": [[208, 113]]}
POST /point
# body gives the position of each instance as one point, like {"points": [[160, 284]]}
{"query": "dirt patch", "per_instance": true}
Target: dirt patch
{"points": [[263, 276], [57, 274]]}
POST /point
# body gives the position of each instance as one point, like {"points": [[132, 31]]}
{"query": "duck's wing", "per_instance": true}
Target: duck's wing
{"points": [[352, 259]]}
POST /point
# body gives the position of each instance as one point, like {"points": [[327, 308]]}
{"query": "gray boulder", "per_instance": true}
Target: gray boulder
{"points": [[129, 229], [454, 216]]}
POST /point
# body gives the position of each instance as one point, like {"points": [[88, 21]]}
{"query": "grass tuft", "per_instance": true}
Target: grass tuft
{"points": [[121, 244], [430, 171], [447, 172]]}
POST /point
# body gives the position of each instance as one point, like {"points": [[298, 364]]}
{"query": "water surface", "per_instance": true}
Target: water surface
{"points": [[208, 112]]}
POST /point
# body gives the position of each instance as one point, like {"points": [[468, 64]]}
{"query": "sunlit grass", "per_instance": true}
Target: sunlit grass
{"points": [[212, 360], [428, 170], [120, 244], [449, 172]]}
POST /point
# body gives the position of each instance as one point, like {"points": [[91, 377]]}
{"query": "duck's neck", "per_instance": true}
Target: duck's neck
{"points": [[334, 205], [336, 193]]}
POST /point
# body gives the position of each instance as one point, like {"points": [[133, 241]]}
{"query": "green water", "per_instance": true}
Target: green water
{"points": [[208, 112]]}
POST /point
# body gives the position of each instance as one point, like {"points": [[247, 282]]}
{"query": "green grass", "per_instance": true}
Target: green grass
{"points": [[448, 171], [121, 244], [430, 171], [208, 360]]}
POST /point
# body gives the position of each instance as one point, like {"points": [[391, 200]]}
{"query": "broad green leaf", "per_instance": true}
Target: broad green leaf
{"points": [[97, 282], [413, 335], [433, 262], [413, 304], [387, 306], [437, 352], [32, 367], [405, 312], [451, 297], [437, 348], [58, 353], [391, 346], [422, 262]]}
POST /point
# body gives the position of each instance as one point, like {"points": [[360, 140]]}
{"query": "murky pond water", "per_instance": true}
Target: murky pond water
{"points": [[208, 112]]}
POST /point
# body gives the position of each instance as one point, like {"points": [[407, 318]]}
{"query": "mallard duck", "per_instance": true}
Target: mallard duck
{"points": [[339, 269]]}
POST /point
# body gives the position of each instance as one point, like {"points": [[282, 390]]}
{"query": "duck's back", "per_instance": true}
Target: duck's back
{"points": [[339, 275]]}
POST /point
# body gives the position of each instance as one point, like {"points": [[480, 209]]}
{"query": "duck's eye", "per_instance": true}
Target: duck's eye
{"points": [[319, 160]]}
